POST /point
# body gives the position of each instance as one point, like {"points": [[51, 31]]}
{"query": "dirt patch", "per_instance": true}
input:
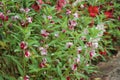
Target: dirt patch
{"points": [[109, 70]]}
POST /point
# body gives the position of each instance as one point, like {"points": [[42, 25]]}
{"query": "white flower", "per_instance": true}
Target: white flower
{"points": [[49, 17], [56, 34], [101, 27], [26, 10], [95, 45], [43, 51], [29, 19], [69, 44], [75, 15], [22, 10], [77, 59], [82, 6], [85, 31], [79, 49]]}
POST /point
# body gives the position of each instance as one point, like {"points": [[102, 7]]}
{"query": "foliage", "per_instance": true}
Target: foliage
{"points": [[47, 40]]}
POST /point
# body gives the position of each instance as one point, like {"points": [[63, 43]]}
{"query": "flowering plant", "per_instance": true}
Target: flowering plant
{"points": [[47, 40]]}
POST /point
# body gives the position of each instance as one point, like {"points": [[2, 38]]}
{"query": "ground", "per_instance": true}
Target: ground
{"points": [[109, 70]]}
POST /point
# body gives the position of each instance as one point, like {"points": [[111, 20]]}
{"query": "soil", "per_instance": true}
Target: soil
{"points": [[109, 70]]}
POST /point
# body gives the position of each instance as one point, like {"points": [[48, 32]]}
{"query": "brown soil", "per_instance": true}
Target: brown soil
{"points": [[109, 70]]}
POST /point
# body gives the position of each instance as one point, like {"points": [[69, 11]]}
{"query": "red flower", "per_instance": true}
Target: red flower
{"points": [[103, 52], [60, 4], [93, 11], [119, 18], [3, 17], [40, 1], [26, 77], [74, 67], [36, 7], [23, 45], [108, 14], [6, 18], [68, 78], [43, 63], [27, 54], [44, 33]]}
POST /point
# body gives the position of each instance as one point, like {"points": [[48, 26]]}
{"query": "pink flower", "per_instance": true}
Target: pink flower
{"points": [[74, 67], [60, 4], [27, 54], [29, 19], [26, 77], [76, 15], [27, 10], [49, 17], [68, 12], [89, 44], [63, 31], [72, 24], [42, 65], [3, 17], [40, 2], [92, 53], [43, 51], [69, 44], [23, 45], [44, 33]]}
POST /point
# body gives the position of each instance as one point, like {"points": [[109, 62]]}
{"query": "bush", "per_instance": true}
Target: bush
{"points": [[43, 40]]}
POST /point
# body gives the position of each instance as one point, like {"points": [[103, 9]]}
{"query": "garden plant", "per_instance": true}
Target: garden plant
{"points": [[56, 39]]}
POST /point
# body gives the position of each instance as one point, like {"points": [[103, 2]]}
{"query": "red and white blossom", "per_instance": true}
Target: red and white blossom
{"points": [[44, 33], [27, 54], [23, 45], [26, 77], [69, 44]]}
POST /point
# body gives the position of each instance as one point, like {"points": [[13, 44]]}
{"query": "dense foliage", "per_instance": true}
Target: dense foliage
{"points": [[56, 40]]}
